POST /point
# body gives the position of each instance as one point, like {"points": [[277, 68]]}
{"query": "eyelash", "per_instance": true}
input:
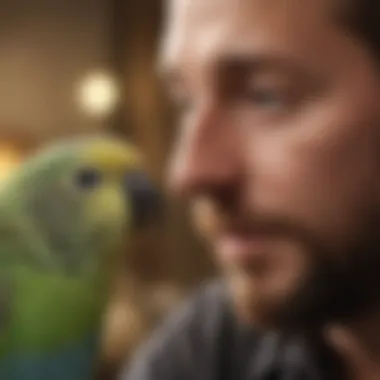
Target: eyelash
{"points": [[266, 99], [260, 96]]}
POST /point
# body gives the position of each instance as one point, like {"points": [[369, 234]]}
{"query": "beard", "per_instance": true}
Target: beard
{"points": [[338, 285]]}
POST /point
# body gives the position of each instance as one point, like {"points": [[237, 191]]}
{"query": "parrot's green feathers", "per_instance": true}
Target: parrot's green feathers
{"points": [[45, 302], [63, 216]]}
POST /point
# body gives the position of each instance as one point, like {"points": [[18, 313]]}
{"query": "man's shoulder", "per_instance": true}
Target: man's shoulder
{"points": [[210, 300], [187, 336], [199, 315], [202, 340]]}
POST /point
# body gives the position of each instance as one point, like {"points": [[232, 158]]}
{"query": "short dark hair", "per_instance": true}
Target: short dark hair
{"points": [[362, 17]]}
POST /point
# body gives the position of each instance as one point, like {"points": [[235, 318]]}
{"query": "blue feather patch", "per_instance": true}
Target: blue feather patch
{"points": [[76, 362]]}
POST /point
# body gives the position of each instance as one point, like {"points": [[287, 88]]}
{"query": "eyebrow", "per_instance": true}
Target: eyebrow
{"points": [[245, 63], [240, 64]]}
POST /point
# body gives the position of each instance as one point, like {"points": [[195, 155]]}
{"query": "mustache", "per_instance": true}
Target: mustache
{"points": [[240, 220], [211, 220]]}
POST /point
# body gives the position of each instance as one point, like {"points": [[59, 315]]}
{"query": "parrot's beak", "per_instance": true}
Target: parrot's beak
{"points": [[144, 197]]}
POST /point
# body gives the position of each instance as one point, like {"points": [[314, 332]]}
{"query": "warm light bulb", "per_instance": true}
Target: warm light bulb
{"points": [[98, 94]]}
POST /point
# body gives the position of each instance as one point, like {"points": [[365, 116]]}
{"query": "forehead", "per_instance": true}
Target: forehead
{"points": [[201, 30]]}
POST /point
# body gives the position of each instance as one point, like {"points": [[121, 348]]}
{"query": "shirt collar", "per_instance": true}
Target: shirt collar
{"points": [[276, 358]]}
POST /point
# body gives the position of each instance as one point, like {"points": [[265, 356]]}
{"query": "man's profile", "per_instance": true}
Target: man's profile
{"points": [[279, 146]]}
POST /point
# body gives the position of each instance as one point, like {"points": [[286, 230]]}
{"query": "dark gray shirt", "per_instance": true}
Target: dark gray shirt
{"points": [[203, 341]]}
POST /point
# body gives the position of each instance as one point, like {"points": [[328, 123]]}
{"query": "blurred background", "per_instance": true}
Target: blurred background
{"points": [[72, 67]]}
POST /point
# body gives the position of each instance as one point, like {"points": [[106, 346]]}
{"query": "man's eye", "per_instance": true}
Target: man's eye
{"points": [[267, 98]]}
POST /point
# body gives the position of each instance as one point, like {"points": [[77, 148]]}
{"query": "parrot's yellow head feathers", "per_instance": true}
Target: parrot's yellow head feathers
{"points": [[113, 156]]}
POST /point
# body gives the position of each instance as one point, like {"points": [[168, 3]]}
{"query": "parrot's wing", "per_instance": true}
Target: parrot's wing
{"points": [[20, 244], [58, 226], [20, 248]]}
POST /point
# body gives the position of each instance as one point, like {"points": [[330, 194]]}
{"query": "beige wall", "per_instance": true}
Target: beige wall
{"points": [[45, 47]]}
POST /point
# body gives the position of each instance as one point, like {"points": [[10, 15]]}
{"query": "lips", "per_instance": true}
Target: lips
{"points": [[242, 247]]}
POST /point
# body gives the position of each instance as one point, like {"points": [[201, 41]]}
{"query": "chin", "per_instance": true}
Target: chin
{"points": [[267, 309]]}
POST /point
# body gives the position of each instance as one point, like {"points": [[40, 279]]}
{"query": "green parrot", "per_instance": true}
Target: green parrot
{"points": [[65, 216]]}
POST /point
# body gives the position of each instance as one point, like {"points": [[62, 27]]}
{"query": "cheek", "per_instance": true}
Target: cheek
{"points": [[320, 170]]}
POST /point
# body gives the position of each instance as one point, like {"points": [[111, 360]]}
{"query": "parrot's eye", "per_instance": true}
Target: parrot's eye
{"points": [[88, 178]]}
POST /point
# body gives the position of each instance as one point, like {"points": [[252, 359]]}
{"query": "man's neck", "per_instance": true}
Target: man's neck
{"points": [[358, 345]]}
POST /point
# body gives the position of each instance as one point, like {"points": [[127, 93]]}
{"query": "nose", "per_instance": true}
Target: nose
{"points": [[144, 197], [207, 155]]}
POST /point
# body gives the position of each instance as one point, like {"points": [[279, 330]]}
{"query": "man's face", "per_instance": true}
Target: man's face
{"points": [[278, 152]]}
